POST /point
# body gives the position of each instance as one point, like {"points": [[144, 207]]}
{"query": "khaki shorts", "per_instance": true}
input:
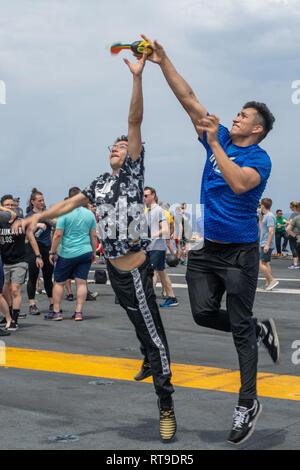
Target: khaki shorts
{"points": [[15, 273]]}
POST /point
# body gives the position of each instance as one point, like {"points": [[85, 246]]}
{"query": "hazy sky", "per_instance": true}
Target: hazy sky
{"points": [[67, 98]]}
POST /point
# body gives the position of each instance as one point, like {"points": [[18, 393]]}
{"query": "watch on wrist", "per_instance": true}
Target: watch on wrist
{"points": [[38, 256]]}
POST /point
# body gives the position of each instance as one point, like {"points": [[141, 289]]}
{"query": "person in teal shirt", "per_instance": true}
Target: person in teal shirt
{"points": [[76, 227], [73, 250]]}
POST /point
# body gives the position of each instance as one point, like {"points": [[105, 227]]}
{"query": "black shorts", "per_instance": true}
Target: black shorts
{"points": [[157, 259], [72, 268]]}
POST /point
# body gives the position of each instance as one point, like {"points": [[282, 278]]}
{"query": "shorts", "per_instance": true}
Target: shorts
{"points": [[265, 257], [72, 268], [1, 277], [15, 273], [157, 259]]}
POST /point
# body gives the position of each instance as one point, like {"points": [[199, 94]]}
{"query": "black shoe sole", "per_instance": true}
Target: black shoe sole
{"points": [[144, 376]]}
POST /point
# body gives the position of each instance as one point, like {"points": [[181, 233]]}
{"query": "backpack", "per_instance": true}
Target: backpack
{"points": [[100, 276]]}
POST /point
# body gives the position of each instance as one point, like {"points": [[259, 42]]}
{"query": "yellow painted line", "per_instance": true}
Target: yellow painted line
{"points": [[184, 375]]}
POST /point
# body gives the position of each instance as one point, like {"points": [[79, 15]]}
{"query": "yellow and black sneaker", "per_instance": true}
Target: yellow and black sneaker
{"points": [[167, 422]]}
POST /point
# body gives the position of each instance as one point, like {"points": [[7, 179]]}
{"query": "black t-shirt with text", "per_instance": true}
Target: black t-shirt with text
{"points": [[12, 247]]}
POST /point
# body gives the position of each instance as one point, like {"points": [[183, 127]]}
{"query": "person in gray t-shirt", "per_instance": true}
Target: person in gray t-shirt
{"points": [[267, 242], [293, 230], [158, 232], [295, 208]]}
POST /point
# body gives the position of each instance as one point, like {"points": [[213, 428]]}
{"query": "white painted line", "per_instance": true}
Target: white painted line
{"points": [[184, 286], [280, 291], [283, 279]]}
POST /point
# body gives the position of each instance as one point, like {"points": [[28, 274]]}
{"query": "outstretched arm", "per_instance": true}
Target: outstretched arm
{"points": [[135, 116], [55, 211], [177, 83]]}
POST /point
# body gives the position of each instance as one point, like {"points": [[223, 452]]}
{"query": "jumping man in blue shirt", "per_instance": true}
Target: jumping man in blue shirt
{"points": [[234, 178]]}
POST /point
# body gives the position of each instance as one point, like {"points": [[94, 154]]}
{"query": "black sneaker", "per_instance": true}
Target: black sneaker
{"points": [[22, 315], [167, 422], [13, 326], [70, 297], [244, 420], [2, 322], [4, 332], [269, 338], [90, 296], [33, 310], [144, 372]]}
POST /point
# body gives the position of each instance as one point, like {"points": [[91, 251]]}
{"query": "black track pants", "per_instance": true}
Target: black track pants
{"points": [[135, 292], [33, 272], [233, 268]]}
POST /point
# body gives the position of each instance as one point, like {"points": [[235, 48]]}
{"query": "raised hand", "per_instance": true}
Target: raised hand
{"points": [[137, 68], [210, 124], [158, 53]]}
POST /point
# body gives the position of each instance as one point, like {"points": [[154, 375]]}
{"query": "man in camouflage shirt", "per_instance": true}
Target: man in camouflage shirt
{"points": [[120, 207]]}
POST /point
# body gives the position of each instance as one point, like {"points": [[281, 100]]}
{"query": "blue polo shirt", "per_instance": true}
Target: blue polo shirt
{"points": [[230, 217]]}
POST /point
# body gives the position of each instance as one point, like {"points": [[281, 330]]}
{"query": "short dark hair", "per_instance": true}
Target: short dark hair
{"points": [[124, 138], [265, 117], [74, 190], [5, 197], [278, 210], [121, 138], [152, 191], [267, 202]]}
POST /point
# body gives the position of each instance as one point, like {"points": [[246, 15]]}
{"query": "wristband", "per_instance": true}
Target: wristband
{"points": [[38, 256], [51, 254]]}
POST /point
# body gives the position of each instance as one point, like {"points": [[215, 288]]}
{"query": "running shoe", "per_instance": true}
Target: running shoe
{"points": [[271, 285], [144, 372], [57, 316], [33, 310], [169, 302], [244, 420], [294, 266], [50, 314], [90, 296], [4, 332], [269, 338], [2, 322], [13, 326], [167, 422], [22, 315], [70, 297], [77, 316]]}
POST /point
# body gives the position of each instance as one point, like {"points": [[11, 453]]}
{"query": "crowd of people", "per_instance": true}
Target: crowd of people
{"points": [[279, 236], [134, 242], [24, 259]]}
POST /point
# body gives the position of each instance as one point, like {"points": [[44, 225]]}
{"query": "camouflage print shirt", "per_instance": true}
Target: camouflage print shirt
{"points": [[119, 200]]}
